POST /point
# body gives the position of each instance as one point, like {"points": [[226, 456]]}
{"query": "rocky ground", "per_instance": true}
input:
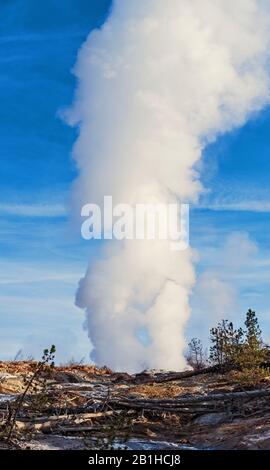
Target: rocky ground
{"points": [[83, 407]]}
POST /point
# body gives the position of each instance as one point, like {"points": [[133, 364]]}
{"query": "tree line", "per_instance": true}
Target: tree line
{"points": [[241, 347]]}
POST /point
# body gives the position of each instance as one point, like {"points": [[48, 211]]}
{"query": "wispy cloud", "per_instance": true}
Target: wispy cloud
{"points": [[244, 206], [16, 273], [233, 280], [33, 210]]}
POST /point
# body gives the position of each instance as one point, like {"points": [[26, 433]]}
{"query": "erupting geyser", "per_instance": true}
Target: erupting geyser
{"points": [[158, 82]]}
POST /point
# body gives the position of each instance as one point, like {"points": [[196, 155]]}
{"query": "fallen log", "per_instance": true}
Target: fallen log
{"points": [[64, 429], [50, 422], [82, 416], [145, 378], [160, 377], [176, 404]]}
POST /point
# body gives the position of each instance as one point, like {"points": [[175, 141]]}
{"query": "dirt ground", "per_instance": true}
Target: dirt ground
{"points": [[84, 407]]}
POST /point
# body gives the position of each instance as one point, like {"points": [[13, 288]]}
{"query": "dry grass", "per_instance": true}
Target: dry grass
{"points": [[21, 367], [158, 390], [12, 374], [254, 377], [88, 369]]}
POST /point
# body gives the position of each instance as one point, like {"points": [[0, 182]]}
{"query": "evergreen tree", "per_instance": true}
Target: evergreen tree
{"points": [[254, 352], [253, 333], [244, 349], [226, 343]]}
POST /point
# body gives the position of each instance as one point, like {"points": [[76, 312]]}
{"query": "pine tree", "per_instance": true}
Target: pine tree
{"points": [[226, 343], [243, 349], [253, 333], [254, 352]]}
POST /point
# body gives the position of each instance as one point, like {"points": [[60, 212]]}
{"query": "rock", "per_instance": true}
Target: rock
{"points": [[143, 444], [5, 398], [54, 443], [257, 441], [211, 419]]}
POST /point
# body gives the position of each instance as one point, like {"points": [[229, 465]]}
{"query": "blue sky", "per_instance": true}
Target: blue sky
{"points": [[42, 255]]}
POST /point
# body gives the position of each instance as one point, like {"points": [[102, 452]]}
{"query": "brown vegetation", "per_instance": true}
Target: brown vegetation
{"points": [[104, 410]]}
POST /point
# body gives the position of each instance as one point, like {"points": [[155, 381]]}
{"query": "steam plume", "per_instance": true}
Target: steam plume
{"points": [[158, 82]]}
